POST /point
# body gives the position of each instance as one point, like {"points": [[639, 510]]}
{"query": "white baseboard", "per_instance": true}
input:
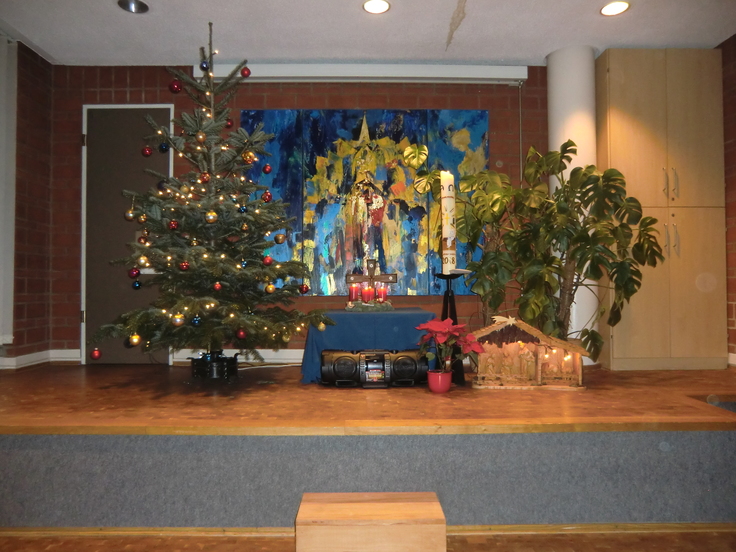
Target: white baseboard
{"points": [[283, 356], [57, 355]]}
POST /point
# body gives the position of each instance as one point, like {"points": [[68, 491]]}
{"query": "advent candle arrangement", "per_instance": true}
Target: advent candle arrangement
{"points": [[369, 290]]}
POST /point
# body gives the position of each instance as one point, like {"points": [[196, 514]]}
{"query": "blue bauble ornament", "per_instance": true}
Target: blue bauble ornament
{"points": [[196, 321], [204, 66], [243, 264], [163, 147], [161, 185], [137, 285], [242, 209]]}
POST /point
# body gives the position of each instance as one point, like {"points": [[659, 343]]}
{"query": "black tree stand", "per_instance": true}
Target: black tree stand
{"points": [[215, 365], [450, 311]]}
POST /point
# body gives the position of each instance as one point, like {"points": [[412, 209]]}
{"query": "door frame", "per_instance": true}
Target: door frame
{"points": [[83, 279]]}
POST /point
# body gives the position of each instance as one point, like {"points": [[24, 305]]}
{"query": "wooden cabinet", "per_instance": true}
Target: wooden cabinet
{"points": [[660, 122]]}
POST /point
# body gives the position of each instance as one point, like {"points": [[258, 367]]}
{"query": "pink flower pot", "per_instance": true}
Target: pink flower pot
{"points": [[439, 382]]}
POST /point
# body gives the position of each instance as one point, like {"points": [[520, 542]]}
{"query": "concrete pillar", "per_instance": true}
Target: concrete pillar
{"points": [[571, 116]]}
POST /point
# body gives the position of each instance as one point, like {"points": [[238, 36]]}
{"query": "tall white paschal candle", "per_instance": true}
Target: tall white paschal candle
{"points": [[447, 202]]}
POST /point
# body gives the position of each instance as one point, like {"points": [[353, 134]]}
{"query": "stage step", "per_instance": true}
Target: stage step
{"points": [[370, 522]]}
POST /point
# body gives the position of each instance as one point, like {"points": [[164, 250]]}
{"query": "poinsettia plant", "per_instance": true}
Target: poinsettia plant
{"points": [[451, 341]]}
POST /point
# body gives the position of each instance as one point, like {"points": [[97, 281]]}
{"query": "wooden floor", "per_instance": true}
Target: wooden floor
{"points": [[154, 399], [724, 541]]}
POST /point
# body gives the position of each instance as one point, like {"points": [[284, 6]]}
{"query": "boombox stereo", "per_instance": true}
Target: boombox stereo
{"points": [[373, 368]]}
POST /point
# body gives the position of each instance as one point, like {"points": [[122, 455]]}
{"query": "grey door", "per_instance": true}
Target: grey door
{"points": [[115, 138]]}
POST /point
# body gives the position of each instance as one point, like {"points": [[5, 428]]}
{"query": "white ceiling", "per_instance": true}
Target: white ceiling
{"points": [[494, 32]]}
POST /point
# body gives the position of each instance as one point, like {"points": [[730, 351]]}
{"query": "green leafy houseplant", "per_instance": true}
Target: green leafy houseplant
{"points": [[537, 248]]}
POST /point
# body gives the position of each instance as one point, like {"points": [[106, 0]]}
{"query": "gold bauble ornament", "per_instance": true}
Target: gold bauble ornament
{"points": [[145, 232], [129, 214], [143, 260], [194, 242], [248, 156], [286, 338], [142, 218], [210, 217], [177, 319], [321, 326], [270, 288], [279, 238], [184, 189], [134, 339], [244, 227], [201, 137]]}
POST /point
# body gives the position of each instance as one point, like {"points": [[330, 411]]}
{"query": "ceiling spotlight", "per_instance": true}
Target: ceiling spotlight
{"points": [[133, 6], [376, 6], [615, 8]]}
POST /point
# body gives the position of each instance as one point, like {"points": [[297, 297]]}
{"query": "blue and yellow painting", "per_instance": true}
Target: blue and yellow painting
{"points": [[352, 197]]}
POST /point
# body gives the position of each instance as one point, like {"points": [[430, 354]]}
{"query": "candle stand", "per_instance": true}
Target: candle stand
{"points": [[449, 310]]}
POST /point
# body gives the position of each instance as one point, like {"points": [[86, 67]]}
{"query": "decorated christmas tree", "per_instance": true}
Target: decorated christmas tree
{"points": [[206, 234]]}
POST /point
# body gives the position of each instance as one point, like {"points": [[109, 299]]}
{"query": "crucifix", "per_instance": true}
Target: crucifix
{"points": [[369, 292]]}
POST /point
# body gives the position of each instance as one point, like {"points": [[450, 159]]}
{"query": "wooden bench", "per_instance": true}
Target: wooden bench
{"points": [[370, 522]]}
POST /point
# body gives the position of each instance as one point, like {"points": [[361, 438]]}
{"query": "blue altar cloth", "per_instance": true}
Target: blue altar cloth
{"points": [[357, 331]]}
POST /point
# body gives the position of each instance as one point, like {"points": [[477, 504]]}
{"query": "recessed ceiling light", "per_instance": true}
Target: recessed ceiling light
{"points": [[615, 8], [133, 6], [376, 6]]}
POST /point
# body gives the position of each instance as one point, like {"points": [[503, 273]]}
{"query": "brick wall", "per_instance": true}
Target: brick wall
{"points": [[729, 126], [48, 213], [52, 214], [34, 210]]}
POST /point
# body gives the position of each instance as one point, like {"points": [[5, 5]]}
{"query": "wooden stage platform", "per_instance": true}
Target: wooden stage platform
{"points": [[163, 400], [150, 447]]}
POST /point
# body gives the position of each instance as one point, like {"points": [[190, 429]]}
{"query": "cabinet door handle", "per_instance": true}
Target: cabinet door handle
{"points": [[666, 188], [676, 247], [667, 240], [676, 186]]}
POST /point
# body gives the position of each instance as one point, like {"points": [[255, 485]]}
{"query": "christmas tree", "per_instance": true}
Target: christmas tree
{"points": [[206, 234]]}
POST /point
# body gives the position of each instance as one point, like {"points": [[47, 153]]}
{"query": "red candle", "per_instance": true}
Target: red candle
{"points": [[381, 294], [353, 292], [368, 294]]}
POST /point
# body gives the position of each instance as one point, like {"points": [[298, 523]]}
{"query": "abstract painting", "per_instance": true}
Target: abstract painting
{"points": [[352, 197]]}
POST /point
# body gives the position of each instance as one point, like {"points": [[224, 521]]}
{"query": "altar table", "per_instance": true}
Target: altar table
{"points": [[357, 331]]}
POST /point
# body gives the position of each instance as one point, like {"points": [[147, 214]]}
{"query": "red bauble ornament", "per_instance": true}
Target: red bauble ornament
{"points": [[173, 224], [175, 86], [184, 265], [241, 334], [134, 273], [268, 260], [229, 123], [245, 72], [95, 354], [147, 151], [267, 169], [267, 196], [204, 177], [304, 289], [142, 239], [217, 286]]}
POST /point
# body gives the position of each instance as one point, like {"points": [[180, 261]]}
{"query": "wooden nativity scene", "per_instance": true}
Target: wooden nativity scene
{"points": [[519, 356]]}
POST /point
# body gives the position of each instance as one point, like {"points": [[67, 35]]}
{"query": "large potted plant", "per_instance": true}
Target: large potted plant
{"points": [[450, 342], [538, 248]]}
